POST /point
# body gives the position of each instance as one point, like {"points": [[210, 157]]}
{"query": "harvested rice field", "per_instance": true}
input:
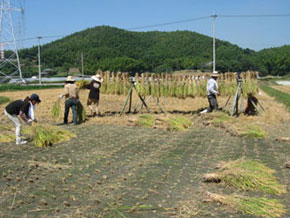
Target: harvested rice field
{"points": [[285, 89], [147, 165]]}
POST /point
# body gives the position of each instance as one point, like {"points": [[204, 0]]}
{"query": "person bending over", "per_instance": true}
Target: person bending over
{"points": [[24, 109]]}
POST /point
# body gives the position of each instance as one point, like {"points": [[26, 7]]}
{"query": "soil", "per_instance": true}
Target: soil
{"points": [[113, 169]]}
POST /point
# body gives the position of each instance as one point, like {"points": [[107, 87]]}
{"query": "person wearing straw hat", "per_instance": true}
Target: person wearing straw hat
{"points": [[212, 92], [25, 109], [94, 94], [71, 93]]}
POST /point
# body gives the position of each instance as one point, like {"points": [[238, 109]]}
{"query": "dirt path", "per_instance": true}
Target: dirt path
{"points": [[118, 171]]}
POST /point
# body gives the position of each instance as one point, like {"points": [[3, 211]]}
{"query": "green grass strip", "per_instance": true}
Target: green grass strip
{"points": [[254, 131], [279, 96], [4, 99], [146, 120], [8, 87], [221, 117], [179, 123]]}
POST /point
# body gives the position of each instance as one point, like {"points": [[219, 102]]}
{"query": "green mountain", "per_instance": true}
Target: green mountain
{"points": [[275, 61], [109, 48]]}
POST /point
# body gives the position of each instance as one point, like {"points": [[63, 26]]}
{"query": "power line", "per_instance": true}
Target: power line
{"points": [[254, 15], [170, 23], [211, 16]]}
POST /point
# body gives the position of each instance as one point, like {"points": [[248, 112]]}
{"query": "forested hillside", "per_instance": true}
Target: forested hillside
{"points": [[109, 48]]}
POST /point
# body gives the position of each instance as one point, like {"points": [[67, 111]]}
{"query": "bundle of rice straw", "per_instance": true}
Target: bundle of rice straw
{"points": [[249, 205], [82, 84], [81, 113], [46, 135], [247, 175], [55, 112]]}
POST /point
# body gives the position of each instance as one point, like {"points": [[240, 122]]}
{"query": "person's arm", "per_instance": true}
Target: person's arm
{"points": [[66, 92], [23, 116]]}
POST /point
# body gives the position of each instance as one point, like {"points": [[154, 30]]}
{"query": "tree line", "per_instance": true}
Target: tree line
{"points": [[108, 48]]}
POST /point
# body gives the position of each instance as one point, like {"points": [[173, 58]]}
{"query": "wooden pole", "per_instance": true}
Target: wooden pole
{"points": [[126, 101]]}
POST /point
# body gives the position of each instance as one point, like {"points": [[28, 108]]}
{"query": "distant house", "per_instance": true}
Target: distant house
{"points": [[48, 72], [74, 70]]}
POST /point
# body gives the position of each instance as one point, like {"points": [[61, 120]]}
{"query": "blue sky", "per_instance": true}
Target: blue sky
{"points": [[64, 17]]}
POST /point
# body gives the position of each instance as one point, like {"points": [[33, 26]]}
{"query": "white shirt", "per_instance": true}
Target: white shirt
{"points": [[31, 111], [212, 87]]}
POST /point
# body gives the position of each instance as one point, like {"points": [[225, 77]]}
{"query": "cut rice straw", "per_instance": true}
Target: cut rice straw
{"points": [[247, 175], [269, 208], [45, 135], [55, 112]]}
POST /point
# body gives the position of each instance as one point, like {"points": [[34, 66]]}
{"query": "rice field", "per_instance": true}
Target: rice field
{"points": [[148, 165]]}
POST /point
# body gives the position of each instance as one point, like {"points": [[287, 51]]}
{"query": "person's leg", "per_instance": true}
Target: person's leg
{"points": [[210, 107], [66, 111], [97, 107], [215, 103], [17, 124], [91, 106], [74, 111]]}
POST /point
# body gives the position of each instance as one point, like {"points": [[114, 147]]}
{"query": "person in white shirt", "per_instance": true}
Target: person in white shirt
{"points": [[212, 92]]}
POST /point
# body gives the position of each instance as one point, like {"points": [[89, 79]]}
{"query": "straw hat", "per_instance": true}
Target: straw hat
{"points": [[215, 74], [97, 78], [70, 79]]}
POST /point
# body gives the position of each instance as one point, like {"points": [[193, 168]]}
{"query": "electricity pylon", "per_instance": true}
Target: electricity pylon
{"points": [[9, 59]]}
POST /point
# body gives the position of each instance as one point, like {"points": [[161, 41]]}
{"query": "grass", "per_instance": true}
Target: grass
{"points": [[146, 120], [248, 175], [7, 137], [221, 117], [10, 87], [263, 207], [254, 131], [4, 99], [279, 96], [179, 123]]}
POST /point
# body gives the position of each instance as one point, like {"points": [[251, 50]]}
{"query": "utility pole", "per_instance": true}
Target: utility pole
{"points": [[39, 69], [82, 59], [214, 16]]}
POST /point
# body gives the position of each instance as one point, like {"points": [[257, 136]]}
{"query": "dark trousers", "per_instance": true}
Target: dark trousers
{"points": [[213, 104], [71, 103]]}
